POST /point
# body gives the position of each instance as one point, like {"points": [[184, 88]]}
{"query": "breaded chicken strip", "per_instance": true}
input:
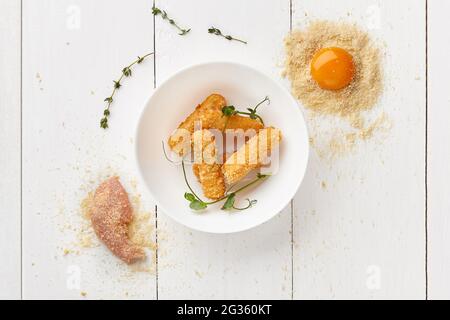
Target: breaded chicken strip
{"points": [[238, 122], [196, 170], [251, 155], [206, 168], [212, 181], [209, 112], [244, 123], [111, 212]]}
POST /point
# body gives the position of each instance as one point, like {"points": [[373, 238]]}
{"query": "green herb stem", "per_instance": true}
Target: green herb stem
{"points": [[219, 33], [250, 183], [249, 205], [126, 72], [261, 102], [227, 194], [187, 183], [251, 113], [196, 203], [156, 11]]}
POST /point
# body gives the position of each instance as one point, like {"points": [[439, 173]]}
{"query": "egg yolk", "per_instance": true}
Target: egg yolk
{"points": [[332, 68]]}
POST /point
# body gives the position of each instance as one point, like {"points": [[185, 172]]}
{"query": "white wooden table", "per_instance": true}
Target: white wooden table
{"points": [[378, 230]]}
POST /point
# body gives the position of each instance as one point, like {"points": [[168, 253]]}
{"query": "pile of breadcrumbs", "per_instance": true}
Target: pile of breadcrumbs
{"points": [[345, 107]]}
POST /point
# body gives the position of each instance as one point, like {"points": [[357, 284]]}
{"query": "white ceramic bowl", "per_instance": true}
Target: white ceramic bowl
{"points": [[242, 86]]}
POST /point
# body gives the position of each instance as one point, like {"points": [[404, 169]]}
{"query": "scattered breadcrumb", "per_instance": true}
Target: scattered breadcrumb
{"points": [[364, 90], [141, 229], [85, 234], [198, 274], [338, 120]]}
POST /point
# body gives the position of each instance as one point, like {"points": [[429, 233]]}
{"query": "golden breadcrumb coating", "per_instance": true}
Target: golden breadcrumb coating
{"points": [[196, 170], [212, 180], [251, 155], [244, 123], [238, 122], [208, 112], [206, 168], [111, 213]]}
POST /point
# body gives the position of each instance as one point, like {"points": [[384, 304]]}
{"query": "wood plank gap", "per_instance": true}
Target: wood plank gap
{"points": [[21, 147], [426, 149], [292, 200], [154, 49], [292, 249], [156, 207], [290, 15], [156, 251]]}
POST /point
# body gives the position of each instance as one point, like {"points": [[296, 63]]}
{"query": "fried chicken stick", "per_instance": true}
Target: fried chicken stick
{"points": [[111, 212], [209, 112], [251, 155], [206, 168], [238, 122]]}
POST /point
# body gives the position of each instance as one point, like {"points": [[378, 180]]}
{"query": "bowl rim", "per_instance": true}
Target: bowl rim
{"points": [[203, 64]]}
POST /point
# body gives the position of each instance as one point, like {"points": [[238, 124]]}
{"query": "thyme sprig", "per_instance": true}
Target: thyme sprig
{"points": [[126, 72], [219, 33], [196, 203], [251, 112], [156, 11]]}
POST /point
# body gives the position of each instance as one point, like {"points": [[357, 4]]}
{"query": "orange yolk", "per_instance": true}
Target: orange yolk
{"points": [[332, 68]]}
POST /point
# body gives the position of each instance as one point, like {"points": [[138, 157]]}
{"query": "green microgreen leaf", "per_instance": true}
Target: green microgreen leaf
{"points": [[228, 110], [197, 205], [251, 112], [229, 203], [189, 197]]}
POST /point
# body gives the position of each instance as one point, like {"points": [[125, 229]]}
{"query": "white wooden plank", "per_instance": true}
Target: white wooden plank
{"points": [[438, 151], [72, 50], [363, 235], [10, 242], [253, 264]]}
